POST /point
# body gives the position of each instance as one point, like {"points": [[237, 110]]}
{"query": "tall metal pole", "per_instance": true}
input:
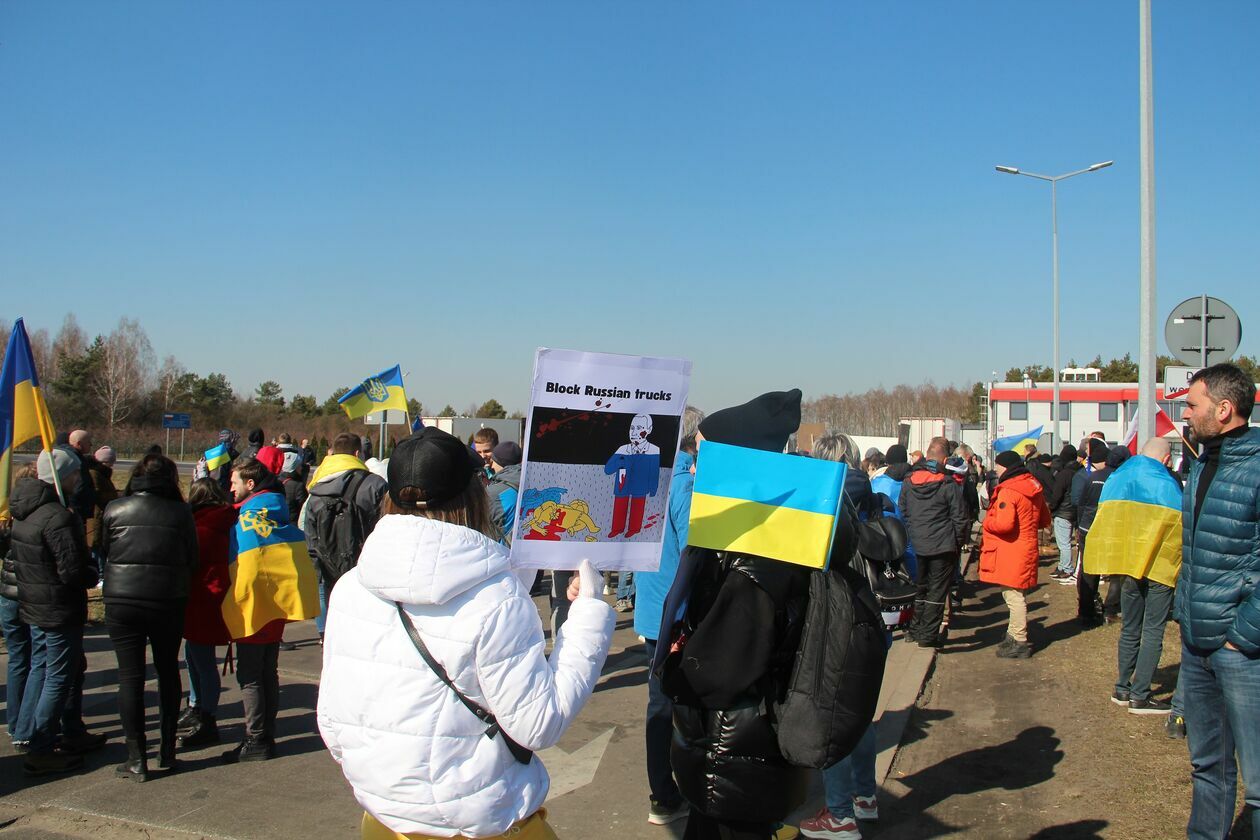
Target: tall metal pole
{"points": [[1055, 442], [1146, 295]]}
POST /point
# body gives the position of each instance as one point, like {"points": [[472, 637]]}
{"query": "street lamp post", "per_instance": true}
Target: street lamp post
{"points": [[1055, 408]]}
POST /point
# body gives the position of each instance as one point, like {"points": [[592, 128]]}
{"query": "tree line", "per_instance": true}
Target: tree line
{"points": [[113, 385]]}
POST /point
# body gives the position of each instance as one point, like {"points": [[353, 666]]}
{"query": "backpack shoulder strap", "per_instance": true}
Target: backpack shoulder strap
{"points": [[352, 486], [518, 752]]}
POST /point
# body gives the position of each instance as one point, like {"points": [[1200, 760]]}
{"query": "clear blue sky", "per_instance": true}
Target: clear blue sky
{"points": [[794, 194]]}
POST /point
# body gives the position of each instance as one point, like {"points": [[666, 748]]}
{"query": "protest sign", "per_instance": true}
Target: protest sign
{"points": [[600, 444]]}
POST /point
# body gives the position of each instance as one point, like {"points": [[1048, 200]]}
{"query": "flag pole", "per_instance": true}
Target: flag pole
{"points": [[52, 462]]}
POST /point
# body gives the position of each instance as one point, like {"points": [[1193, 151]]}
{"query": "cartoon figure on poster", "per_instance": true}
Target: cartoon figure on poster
{"points": [[600, 442], [637, 467]]}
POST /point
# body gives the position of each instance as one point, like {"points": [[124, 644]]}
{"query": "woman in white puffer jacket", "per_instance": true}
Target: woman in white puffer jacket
{"points": [[419, 760]]}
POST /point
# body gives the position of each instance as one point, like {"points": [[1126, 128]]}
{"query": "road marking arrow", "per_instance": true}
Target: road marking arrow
{"points": [[570, 771]]}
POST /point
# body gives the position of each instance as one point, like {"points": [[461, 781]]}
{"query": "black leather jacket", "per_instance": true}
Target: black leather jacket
{"points": [[149, 543], [49, 557]]}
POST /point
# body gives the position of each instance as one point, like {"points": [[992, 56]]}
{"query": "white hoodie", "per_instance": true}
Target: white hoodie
{"points": [[417, 759]]}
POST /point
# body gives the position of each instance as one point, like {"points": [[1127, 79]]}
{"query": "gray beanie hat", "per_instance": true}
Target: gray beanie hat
{"points": [[67, 464]]}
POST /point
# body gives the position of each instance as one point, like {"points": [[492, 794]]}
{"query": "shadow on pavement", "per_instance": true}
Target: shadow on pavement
{"points": [[920, 723], [1027, 760], [1079, 830]]}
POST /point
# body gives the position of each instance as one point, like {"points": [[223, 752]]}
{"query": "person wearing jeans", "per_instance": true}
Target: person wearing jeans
{"points": [[1059, 500], [17, 641], [1218, 601], [1136, 540], [52, 568], [204, 629], [1144, 609]]}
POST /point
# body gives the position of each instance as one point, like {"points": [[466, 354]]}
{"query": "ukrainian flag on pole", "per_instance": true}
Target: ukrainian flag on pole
{"points": [[23, 413], [765, 503], [217, 457], [376, 393], [1018, 441]]}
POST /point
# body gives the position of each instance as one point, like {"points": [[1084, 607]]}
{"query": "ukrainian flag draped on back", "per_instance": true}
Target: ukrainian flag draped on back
{"points": [[23, 414], [376, 393], [1137, 531], [271, 571], [765, 503], [1018, 441]]}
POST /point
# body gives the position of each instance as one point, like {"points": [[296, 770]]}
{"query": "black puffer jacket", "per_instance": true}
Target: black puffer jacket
{"points": [[50, 557], [149, 542], [725, 752], [1059, 499], [932, 505]]}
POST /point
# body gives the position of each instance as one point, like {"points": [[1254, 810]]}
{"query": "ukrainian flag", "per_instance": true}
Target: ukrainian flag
{"points": [[271, 572], [1017, 442], [23, 413], [1137, 530], [217, 457], [764, 503], [376, 393]]}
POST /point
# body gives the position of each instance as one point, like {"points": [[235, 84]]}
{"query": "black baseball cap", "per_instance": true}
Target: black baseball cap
{"points": [[439, 465]]}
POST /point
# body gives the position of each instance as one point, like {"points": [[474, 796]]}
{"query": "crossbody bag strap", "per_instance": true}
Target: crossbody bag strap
{"points": [[485, 716]]}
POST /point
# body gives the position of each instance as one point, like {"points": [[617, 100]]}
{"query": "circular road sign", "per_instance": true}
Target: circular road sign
{"points": [[1203, 331]]}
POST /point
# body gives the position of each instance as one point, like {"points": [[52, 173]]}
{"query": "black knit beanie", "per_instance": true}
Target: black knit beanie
{"points": [[1067, 454], [1008, 459], [896, 455], [1098, 451], [764, 422]]}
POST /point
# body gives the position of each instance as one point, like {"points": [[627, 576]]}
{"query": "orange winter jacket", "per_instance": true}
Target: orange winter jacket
{"points": [[1016, 511]]}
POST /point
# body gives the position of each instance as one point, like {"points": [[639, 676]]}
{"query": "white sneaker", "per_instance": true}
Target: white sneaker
{"points": [[866, 808], [608, 590]]}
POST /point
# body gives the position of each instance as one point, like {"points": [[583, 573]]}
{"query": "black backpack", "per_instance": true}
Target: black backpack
{"points": [[341, 529], [881, 554], [830, 696]]}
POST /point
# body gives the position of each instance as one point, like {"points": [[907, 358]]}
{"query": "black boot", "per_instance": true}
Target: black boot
{"points": [[166, 748], [136, 766], [205, 733]]}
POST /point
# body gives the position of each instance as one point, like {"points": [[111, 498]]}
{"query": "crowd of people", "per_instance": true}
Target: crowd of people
{"points": [[437, 690]]}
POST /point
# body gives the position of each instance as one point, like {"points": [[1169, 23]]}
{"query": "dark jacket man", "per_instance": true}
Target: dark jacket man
{"points": [[931, 503], [1059, 497], [50, 557]]}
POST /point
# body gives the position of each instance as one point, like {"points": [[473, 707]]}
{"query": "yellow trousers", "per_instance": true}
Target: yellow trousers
{"points": [[533, 827]]}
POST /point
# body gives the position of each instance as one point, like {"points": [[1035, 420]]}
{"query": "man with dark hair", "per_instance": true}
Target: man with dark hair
{"points": [[1086, 491], [1218, 600], [1059, 500], [271, 584], [485, 440], [936, 521], [342, 478]]}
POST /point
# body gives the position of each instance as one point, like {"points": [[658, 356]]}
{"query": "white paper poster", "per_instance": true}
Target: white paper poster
{"points": [[600, 444]]}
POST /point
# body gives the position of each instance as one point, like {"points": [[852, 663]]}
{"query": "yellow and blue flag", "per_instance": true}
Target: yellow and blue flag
{"points": [[217, 457], [376, 393], [1018, 441], [1137, 530], [270, 569], [23, 413], [765, 503]]}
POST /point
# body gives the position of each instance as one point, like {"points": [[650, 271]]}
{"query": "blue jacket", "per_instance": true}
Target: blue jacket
{"points": [[652, 587], [1218, 590], [891, 488], [643, 473]]}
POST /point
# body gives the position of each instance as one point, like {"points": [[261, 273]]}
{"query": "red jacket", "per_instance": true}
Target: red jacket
{"points": [[1016, 510], [203, 617]]}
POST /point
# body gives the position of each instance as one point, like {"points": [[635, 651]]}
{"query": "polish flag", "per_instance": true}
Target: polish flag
{"points": [[1163, 425]]}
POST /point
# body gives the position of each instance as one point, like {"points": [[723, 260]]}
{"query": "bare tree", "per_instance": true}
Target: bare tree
{"points": [[71, 343], [41, 349], [171, 382], [125, 371]]}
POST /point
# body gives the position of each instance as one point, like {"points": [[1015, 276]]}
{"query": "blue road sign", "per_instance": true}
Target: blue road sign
{"points": [[176, 421]]}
